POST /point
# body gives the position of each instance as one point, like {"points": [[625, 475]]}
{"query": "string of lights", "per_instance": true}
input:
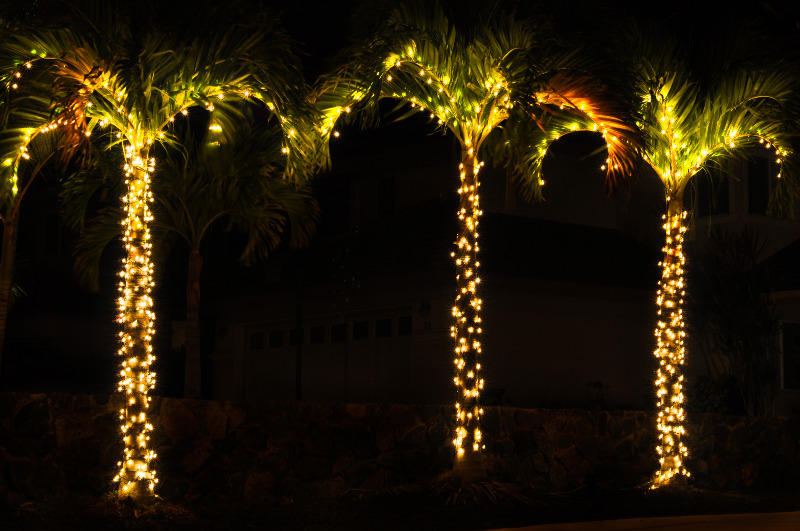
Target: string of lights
{"points": [[466, 329], [678, 154]]}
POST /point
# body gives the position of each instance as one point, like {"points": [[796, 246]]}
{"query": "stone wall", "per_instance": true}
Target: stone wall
{"points": [[277, 451]]}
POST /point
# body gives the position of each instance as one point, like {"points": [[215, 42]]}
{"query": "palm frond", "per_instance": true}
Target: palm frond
{"points": [[469, 81]]}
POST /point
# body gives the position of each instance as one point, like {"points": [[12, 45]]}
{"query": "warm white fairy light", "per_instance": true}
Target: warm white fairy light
{"points": [[136, 475], [670, 351], [676, 159], [466, 329], [471, 117]]}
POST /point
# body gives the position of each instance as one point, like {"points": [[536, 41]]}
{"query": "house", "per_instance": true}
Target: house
{"points": [[734, 198], [364, 316]]}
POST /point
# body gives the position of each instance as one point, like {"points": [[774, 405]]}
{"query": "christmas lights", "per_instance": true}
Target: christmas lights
{"points": [[471, 108], [466, 330], [670, 351], [681, 145], [86, 91], [137, 319]]}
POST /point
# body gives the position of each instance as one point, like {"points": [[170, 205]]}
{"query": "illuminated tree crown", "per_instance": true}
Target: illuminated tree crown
{"points": [[111, 72], [471, 83], [691, 122]]}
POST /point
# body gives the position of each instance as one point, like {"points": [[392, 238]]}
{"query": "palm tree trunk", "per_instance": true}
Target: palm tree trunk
{"points": [[466, 331], [193, 366], [6, 276], [136, 317], [670, 349]]}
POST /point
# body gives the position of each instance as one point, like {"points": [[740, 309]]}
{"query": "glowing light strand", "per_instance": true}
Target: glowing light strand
{"points": [[670, 352], [466, 329], [136, 476]]}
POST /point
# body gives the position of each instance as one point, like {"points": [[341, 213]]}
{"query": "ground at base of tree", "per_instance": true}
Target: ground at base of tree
{"points": [[419, 507]]}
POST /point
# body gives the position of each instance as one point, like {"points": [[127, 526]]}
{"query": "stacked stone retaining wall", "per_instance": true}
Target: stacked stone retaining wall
{"points": [[279, 451]]}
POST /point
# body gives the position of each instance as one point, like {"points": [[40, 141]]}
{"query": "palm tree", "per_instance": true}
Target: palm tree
{"points": [[471, 81], [691, 123], [202, 184], [116, 70], [27, 142]]}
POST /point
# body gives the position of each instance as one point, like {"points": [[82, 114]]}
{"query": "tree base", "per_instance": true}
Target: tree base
{"points": [[469, 467]]}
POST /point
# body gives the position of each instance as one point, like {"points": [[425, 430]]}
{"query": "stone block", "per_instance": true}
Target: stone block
{"points": [[527, 418], [431, 415], [363, 443], [37, 480], [82, 403], [280, 430], [329, 488], [253, 435], [490, 423], [589, 447], [440, 433], [274, 460], [414, 436], [197, 456], [386, 436], [624, 450], [558, 476], [416, 463], [502, 447], [310, 467], [259, 489], [33, 419], [391, 460], [234, 414], [360, 471], [177, 421], [317, 438], [524, 442], [374, 481], [343, 460], [540, 463], [399, 415], [750, 473], [293, 489], [5, 433], [214, 419], [356, 411], [8, 403], [72, 428]]}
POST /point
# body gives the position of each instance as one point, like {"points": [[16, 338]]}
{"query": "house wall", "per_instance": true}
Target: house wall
{"points": [[545, 343]]}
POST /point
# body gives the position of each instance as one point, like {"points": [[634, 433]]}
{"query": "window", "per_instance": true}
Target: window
{"points": [[338, 332], [316, 335], [404, 326], [256, 340], [276, 339], [790, 366], [361, 330], [383, 327]]}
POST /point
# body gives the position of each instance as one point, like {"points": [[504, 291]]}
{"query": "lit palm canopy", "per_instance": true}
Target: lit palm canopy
{"points": [[687, 129], [471, 83], [689, 123], [200, 186], [131, 78]]}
